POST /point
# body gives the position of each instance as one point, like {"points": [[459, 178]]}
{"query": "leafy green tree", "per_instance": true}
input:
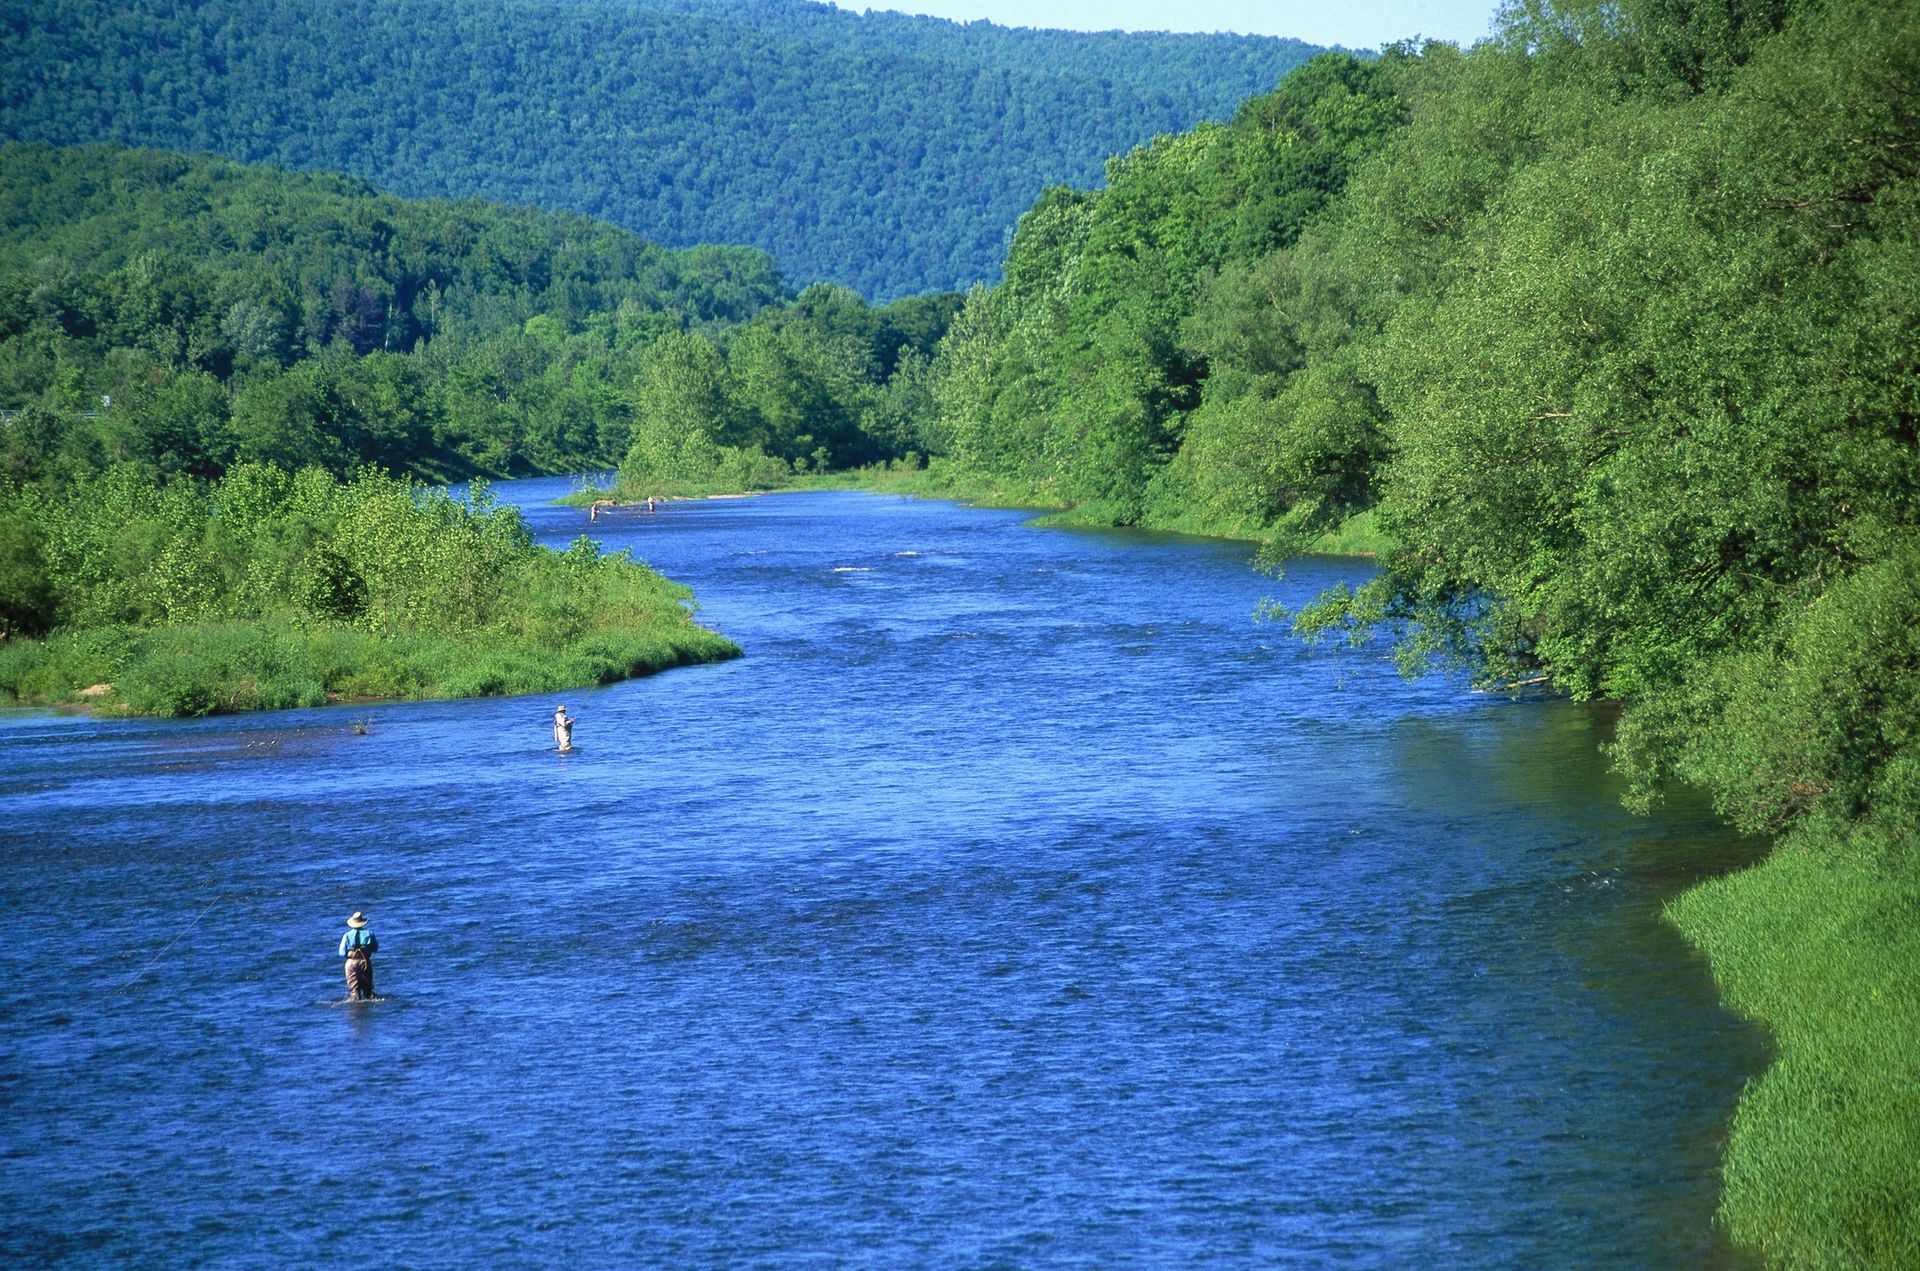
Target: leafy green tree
{"points": [[296, 419], [26, 591], [683, 414], [964, 387], [174, 421], [32, 441], [1087, 368]]}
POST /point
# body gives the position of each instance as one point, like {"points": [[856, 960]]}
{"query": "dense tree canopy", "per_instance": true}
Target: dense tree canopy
{"points": [[881, 152], [326, 257], [187, 314], [1133, 320]]}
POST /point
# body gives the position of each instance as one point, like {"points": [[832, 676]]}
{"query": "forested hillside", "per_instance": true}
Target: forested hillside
{"points": [[1159, 62], [203, 366], [1610, 326], [338, 259], [886, 153], [186, 314], [1137, 321]]}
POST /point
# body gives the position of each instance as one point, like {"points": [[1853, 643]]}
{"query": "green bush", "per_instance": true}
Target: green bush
{"points": [[217, 669], [62, 669], [273, 590]]}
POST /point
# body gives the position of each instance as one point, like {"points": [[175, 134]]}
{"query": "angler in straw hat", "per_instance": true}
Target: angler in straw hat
{"points": [[358, 947]]}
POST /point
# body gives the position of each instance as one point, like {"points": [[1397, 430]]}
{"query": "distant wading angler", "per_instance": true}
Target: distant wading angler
{"points": [[562, 728], [358, 947]]}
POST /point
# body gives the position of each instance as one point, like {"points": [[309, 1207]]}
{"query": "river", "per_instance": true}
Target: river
{"points": [[1018, 900]]}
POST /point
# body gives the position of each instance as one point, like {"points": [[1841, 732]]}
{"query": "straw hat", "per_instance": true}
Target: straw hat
{"points": [[356, 920]]}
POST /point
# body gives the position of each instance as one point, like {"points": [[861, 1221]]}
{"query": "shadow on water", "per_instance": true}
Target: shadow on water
{"points": [[1017, 900], [1570, 955]]}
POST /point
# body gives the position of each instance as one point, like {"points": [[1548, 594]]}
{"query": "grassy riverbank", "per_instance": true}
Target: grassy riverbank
{"points": [[220, 668], [1357, 536], [1823, 1161], [270, 590]]}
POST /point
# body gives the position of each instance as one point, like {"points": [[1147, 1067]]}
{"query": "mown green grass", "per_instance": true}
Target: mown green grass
{"points": [[1823, 1161]]}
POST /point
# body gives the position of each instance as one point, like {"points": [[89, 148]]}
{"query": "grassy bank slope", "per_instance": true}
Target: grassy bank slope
{"points": [[1823, 1165]]}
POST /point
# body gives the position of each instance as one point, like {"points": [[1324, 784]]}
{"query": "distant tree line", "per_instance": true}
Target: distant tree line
{"points": [[222, 388]]}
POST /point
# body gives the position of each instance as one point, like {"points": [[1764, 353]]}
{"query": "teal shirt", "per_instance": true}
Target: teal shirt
{"points": [[358, 938]]}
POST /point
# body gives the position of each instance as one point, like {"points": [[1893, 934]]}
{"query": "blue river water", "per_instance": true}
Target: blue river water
{"points": [[1019, 900]]}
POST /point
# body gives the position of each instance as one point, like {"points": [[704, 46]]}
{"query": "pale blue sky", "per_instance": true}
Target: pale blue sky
{"points": [[1358, 24]]}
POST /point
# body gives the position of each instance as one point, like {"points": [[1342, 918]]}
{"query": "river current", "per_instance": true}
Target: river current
{"points": [[1019, 900]]}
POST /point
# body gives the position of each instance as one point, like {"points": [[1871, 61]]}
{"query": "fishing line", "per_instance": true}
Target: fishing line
{"points": [[163, 952], [217, 900]]}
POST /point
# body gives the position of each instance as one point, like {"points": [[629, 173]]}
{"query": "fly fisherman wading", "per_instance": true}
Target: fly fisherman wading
{"points": [[358, 946]]}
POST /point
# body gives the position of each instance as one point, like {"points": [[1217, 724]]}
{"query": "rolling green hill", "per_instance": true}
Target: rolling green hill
{"points": [[183, 313], [333, 258], [886, 153]]}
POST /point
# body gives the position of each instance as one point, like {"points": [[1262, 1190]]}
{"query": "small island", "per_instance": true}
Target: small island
{"points": [[273, 590]]}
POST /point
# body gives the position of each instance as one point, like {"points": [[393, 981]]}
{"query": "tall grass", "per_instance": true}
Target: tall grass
{"points": [[1823, 1161], [227, 667]]}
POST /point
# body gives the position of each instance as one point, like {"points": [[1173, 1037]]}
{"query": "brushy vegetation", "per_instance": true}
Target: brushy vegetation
{"points": [[274, 590]]}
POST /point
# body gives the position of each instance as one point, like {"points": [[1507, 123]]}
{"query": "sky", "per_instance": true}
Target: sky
{"points": [[1357, 24]]}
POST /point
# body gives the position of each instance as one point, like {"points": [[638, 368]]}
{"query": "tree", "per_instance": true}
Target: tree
{"points": [[682, 411], [26, 591]]}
